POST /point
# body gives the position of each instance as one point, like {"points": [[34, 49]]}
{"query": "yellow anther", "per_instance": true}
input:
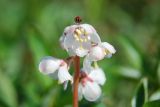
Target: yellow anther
{"points": [[95, 65], [106, 51], [85, 33], [78, 32], [81, 46], [82, 30], [76, 37], [85, 40], [81, 40]]}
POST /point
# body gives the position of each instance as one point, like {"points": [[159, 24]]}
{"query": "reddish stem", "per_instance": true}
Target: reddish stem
{"points": [[76, 80]]}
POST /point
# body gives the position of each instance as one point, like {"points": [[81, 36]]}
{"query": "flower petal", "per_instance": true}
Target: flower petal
{"points": [[49, 65], [81, 52], [87, 65], [98, 76], [92, 32], [65, 84], [71, 52], [80, 93], [63, 74], [109, 47], [96, 53], [61, 40], [91, 91]]}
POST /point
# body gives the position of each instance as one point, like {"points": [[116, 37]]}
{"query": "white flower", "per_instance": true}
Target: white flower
{"points": [[63, 74], [49, 65], [90, 90], [55, 68], [89, 84], [87, 64], [78, 39], [98, 76], [109, 49], [100, 51]]}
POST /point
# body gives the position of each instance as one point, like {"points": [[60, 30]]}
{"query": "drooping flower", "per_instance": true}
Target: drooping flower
{"points": [[55, 68], [78, 39], [101, 51], [97, 53], [89, 84]]}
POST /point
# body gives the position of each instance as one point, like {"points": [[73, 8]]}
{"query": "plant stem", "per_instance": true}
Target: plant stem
{"points": [[76, 80]]}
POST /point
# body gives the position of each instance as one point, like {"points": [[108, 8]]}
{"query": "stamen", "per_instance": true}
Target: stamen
{"points": [[85, 33], [106, 51], [81, 40], [85, 40], [81, 46], [82, 30], [78, 32], [76, 37], [95, 65]]}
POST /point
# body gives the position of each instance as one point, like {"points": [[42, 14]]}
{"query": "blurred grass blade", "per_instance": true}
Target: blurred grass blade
{"points": [[101, 105], [127, 72], [36, 46], [7, 92], [132, 55], [94, 6], [155, 96], [152, 104], [38, 50], [141, 95], [158, 72], [50, 98]]}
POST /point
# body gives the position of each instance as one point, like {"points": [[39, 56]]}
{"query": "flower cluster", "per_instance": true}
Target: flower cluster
{"points": [[80, 40]]}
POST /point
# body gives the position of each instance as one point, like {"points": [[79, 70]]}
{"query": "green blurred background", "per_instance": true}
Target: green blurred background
{"points": [[30, 30]]}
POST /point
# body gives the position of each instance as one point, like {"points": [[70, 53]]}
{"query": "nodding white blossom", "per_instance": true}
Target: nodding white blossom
{"points": [[101, 51], [97, 74], [89, 84], [78, 39], [97, 53], [55, 68]]}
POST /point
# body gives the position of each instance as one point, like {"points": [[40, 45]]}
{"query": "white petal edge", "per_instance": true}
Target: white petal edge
{"points": [[63, 74], [65, 84], [109, 47], [81, 52], [96, 53], [49, 65], [98, 76], [61, 40], [91, 31], [91, 91], [80, 93], [87, 65]]}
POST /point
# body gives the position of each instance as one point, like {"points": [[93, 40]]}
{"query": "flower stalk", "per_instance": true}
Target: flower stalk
{"points": [[76, 80]]}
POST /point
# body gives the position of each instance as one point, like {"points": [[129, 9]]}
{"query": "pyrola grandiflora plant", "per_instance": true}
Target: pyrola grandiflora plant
{"points": [[79, 40]]}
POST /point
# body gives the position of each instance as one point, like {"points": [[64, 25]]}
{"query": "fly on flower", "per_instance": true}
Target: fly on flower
{"points": [[80, 40]]}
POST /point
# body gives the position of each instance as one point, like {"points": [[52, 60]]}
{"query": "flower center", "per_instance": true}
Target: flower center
{"points": [[81, 35]]}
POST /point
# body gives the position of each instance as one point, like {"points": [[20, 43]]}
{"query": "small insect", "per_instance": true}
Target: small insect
{"points": [[77, 19]]}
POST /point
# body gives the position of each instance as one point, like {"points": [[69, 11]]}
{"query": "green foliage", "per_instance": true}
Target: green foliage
{"points": [[7, 91], [30, 29], [141, 95]]}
